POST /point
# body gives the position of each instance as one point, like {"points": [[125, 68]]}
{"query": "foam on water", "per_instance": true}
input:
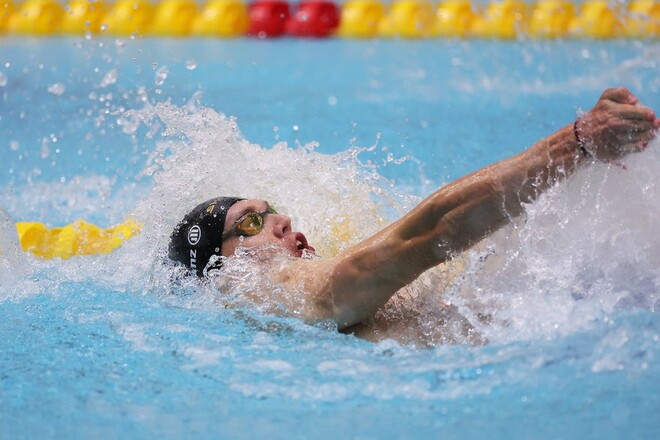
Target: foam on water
{"points": [[12, 259], [584, 250], [200, 154], [110, 345], [587, 248]]}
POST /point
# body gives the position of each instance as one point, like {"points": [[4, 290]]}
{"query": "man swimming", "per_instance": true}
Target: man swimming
{"points": [[350, 288]]}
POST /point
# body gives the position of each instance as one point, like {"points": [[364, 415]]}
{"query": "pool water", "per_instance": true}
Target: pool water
{"points": [[343, 136]]}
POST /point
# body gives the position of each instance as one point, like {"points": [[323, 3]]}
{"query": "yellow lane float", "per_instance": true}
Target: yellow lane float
{"points": [[221, 18], [128, 17], [506, 20], [454, 18], [77, 238], [551, 19], [361, 18], [6, 11], [36, 17], [408, 19], [82, 16], [173, 18], [643, 19], [596, 20]]}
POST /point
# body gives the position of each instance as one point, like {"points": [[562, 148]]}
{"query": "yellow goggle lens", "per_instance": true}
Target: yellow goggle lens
{"points": [[251, 224]]}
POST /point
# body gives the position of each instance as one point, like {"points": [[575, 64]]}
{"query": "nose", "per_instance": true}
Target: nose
{"points": [[281, 224]]}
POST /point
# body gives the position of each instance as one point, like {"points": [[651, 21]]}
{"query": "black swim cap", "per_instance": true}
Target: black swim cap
{"points": [[199, 235]]}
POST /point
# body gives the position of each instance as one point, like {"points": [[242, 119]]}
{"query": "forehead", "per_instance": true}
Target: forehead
{"points": [[244, 206]]}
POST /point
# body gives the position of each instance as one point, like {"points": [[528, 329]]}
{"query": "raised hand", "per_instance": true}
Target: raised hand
{"points": [[616, 126]]}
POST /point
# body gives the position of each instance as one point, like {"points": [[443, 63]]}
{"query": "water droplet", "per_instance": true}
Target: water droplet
{"points": [[57, 89], [45, 149], [3, 79], [191, 65], [109, 78], [161, 75]]}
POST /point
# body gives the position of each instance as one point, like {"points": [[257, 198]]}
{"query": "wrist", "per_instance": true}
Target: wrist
{"points": [[579, 140]]}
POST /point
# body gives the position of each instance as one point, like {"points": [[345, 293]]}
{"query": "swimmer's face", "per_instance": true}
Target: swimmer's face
{"points": [[276, 229]]}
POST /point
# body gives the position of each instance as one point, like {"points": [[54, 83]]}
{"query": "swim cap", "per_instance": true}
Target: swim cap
{"points": [[199, 235]]}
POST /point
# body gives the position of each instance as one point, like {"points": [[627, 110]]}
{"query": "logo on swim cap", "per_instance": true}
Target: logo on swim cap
{"points": [[198, 237], [194, 234]]}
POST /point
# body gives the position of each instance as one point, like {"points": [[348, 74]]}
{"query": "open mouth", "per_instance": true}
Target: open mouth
{"points": [[302, 244]]}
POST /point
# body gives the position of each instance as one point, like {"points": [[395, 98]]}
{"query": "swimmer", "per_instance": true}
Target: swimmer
{"points": [[350, 288]]}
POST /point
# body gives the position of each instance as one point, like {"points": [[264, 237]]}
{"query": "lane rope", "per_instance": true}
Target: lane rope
{"points": [[406, 19]]}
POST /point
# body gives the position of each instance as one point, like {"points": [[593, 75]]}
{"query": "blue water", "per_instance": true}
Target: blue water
{"points": [[87, 350]]}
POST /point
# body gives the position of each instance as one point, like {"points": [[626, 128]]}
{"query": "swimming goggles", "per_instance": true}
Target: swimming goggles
{"points": [[249, 224]]}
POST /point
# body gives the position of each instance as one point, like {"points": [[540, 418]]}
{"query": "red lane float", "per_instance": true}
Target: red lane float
{"points": [[314, 18], [268, 18]]}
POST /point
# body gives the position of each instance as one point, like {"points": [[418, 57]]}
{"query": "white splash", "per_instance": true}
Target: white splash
{"points": [[587, 248], [202, 154], [13, 261]]}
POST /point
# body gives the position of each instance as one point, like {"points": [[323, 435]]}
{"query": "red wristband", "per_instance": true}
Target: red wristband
{"points": [[579, 141]]}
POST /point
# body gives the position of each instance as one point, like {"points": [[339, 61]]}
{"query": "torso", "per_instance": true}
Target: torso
{"points": [[416, 315], [416, 319]]}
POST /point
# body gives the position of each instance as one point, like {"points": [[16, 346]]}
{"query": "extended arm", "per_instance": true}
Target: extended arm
{"points": [[351, 287]]}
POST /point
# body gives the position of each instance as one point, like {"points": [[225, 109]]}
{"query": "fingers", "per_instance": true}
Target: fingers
{"points": [[636, 112], [634, 140], [620, 95], [630, 127], [633, 136], [618, 125], [636, 127]]}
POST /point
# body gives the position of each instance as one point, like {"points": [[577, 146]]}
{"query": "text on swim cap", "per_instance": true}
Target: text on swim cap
{"points": [[193, 258]]}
